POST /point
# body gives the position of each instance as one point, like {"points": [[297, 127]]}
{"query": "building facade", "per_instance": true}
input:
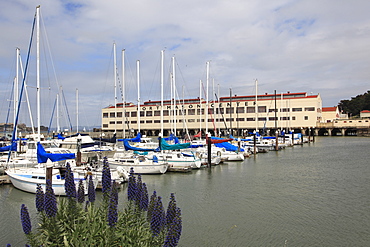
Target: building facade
{"points": [[236, 114]]}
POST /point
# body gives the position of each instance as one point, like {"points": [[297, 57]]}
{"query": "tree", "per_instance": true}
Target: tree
{"points": [[355, 105]]}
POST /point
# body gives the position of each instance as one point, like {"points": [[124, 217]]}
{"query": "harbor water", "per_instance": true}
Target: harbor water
{"points": [[317, 194]]}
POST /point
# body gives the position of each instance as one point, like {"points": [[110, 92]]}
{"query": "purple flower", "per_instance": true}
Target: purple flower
{"points": [[81, 192], [112, 207], [91, 190], [144, 199], [106, 178], [151, 205], [39, 198], [174, 230], [132, 186], [50, 202], [171, 210], [69, 183], [25, 219], [158, 219]]}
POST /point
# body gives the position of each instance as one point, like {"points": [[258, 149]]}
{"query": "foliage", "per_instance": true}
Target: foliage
{"points": [[71, 222], [357, 104]]}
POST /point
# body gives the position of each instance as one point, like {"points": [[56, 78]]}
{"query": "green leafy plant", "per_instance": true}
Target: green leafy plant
{"points": [[70, 221]]}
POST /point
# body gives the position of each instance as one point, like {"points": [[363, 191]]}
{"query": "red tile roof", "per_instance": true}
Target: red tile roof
{"points": [[329, 108]]}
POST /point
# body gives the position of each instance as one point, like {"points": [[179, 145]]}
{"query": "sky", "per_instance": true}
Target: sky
{"points": [[318, 47]]}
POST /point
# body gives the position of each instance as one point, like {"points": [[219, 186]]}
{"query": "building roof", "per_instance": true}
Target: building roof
{"points": [[326, 109], [365, 111]]}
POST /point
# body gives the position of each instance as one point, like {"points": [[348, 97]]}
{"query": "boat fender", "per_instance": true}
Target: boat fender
{"points": [[218, 153]]}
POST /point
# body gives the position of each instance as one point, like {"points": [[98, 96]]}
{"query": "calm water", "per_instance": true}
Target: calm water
{"points": [[312, 195]]}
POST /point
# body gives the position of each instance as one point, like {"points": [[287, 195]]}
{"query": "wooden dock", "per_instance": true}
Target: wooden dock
{"points": [[4, 179]]}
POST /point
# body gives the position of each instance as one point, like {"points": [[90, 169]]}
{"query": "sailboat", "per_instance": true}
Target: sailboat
{"points": [[49, 165]]}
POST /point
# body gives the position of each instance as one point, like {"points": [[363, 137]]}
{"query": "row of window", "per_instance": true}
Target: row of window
{"points": [[261, 109], [209, 120]]}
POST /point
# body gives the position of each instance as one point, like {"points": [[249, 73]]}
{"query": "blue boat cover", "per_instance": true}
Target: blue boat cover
{"points": [[12, 147], [227, 145], [43, 156], [129, 147], [166, 146], [172, 137]]}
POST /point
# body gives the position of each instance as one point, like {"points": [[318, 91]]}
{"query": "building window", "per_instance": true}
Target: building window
{"points": [[200, 112], [309, 108], [272, 118], [228, 120], [165, 121], [149, 121], [119, 122], [240, 110], [240, 119], [105, 125], [230, 110], [262, 119], [133, 122], [157, 121], [165, 113], [134, 114], [220, 111], [191, 120], [127, 114], [284, 109], [272, 110], [296, 109], [251, 109], [119, 114], [210, 111], [142, 114], [293, 118], [105, 115], [111, 122], [284, 118], [112, 115], [262, 109], [250, 119], [157, 113], [149, 113], [191, 112], [305, 117]]}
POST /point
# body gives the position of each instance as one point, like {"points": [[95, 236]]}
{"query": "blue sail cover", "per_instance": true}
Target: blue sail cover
{"points": [[166, 146], [172, 137], [228, 146], [129, 147], [135, 139], [43, 156], [60, 137], [12, 147]]}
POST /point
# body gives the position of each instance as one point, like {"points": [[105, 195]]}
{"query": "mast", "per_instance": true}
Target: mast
{"points": [[123, 96], [16, 84], [214, 106], [162, 80], [174, 94], [207, 99], [138, 94], [115, 86], [58, 124], [77, 123], [38, 71], [256, 106], [231, 123], [200, 103]]}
